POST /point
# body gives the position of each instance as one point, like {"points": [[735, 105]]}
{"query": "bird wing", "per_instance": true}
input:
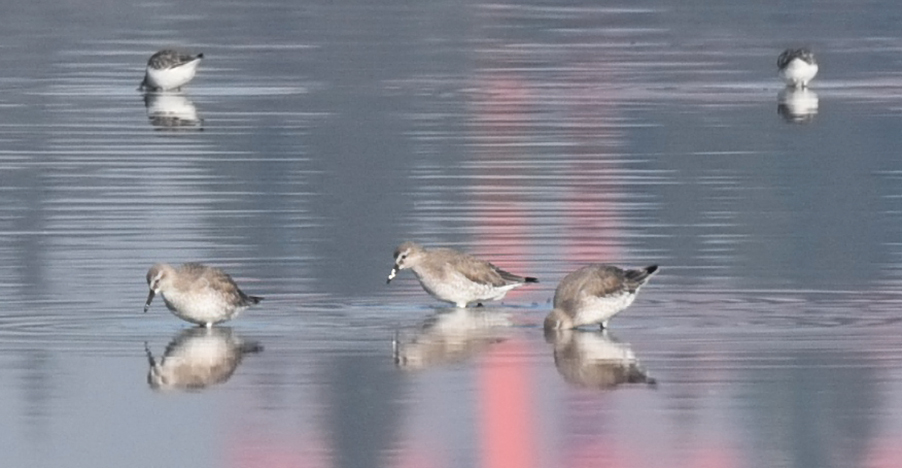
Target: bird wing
{"points": [[605, 281], [166, 59], [212, 278], [589, 281], [481, 271]]}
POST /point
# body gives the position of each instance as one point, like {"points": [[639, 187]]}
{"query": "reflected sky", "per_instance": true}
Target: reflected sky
{"points": [[542, 137]]}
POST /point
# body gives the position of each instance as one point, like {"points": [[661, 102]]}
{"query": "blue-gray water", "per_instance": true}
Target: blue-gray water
{"points": [[542, 136]]}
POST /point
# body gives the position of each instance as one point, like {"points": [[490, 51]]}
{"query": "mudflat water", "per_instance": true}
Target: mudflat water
{"points": [[542, 136]]}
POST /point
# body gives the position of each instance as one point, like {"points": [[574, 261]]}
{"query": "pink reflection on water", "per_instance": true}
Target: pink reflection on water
{"points": [[506, 418], [885, 452]]}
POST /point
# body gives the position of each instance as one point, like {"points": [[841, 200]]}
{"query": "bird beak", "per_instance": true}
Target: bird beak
{"points": [[149, 298], [391, 276]]}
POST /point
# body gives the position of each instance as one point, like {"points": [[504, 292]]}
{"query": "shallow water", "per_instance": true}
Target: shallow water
{"points": [[317, 137]]}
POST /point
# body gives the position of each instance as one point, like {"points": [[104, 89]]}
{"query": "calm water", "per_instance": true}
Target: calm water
{"points": [[543, 136]]}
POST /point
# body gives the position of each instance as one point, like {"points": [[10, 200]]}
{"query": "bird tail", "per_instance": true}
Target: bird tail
{"points": [[512, 278], [254, 299], [249, 300], [641, 276]]}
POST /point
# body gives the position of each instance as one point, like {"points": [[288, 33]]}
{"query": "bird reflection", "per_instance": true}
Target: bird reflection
{"points": [[450, 336], [197, 358], [797, 105], [593, 359], [171, 111]]}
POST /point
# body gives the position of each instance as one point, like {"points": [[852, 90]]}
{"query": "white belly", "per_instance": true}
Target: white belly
{"points": [[594, 310], [200, 308], [171, 78], [460, 291], [798, 73]]}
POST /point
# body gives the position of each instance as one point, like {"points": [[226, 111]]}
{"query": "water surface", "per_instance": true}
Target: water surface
{"points": [[317, 137]]}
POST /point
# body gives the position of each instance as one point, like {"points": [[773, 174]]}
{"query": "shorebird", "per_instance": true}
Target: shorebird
{"points": [[797, 67], [455, 277], [196, 293], [595, 293], [169, 69]]}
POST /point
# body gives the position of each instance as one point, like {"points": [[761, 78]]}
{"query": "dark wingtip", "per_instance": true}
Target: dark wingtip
{"points": [[530, 279], [651, 269], [255, 299], [200, 55]]}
